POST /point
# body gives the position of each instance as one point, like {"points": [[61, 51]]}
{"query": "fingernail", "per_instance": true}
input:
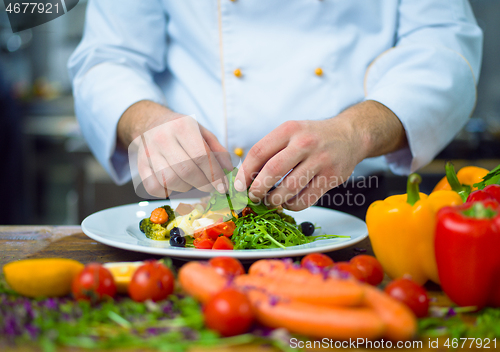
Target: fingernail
{"points": [[252, 197], [238, 185], [221, 188]]}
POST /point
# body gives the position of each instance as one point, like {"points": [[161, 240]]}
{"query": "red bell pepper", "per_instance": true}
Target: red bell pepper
{"points": [[488, 192], [467, 243]]}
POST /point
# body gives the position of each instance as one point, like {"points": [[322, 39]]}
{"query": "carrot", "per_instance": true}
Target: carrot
{"points": [[315, 291], [400, 321], [159, 216], [270, 267], [201, 280], [316, 321]]}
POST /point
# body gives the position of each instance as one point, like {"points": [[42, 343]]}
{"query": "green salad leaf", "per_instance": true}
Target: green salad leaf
{"points": [[232, 199]]}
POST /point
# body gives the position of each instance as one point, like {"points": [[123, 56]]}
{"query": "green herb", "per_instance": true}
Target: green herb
{"points": [[269, 230], [487, 325], [491, 178], [175, 324]]}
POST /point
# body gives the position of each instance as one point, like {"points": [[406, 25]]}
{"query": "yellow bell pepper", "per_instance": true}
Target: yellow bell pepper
{"points": [[402, 229], [467, 175]]}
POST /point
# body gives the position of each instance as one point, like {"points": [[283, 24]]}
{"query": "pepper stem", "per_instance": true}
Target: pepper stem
{"points": [[452, 178], [462, 190], [479, 211], [412, 190]]}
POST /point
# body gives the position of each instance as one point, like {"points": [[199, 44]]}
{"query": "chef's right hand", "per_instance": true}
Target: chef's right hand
{"points": [[175, 153]]}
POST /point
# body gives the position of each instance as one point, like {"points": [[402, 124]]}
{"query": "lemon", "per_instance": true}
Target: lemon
{"points": [[51, 277], [122, 273]]}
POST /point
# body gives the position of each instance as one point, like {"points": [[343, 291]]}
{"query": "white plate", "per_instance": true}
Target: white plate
{"points": [[119, 227]]}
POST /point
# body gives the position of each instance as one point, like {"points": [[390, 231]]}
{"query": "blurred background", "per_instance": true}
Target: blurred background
{"points": [[49, 176]]}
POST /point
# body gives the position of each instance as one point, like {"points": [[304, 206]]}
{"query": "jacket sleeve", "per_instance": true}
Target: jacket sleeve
{"points": [[428, 79], [123, 46]]}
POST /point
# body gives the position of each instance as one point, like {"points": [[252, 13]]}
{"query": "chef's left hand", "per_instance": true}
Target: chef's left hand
{"points": [[321, 153]]}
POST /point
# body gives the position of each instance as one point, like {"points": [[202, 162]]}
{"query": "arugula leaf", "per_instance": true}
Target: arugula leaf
{"points": [[269, 230], [491, 178]]}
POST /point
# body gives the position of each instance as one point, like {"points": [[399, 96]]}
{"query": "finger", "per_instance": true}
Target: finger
{"points": [[309, 195], [149, 180], [185, 168], [273, 171], [264, 150], [199, 152], [292, 184], [167, 176], [221, 153]]}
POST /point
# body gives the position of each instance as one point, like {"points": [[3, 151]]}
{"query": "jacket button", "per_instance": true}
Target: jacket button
{"points": [[239, 152], [237, 73], [318, 71]]}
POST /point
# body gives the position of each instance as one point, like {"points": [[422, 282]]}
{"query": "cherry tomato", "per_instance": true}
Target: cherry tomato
{"points": [[370, 267], [93, 283], [229, 312], [317, 260], [203, 242], [224, 228], [153, 281], [348, 268], [227, 266], [411, 294], [223, 242]]}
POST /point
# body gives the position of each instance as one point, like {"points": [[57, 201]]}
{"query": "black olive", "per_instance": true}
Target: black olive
{"points": [[176, 231], [307, 228], [140, 225], [178, 241]]}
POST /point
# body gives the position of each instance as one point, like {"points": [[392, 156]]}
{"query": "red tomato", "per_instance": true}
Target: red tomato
{"points": [[411, 294], [229, 312], [203, 242], [370, 267], [345, 267], [317, 260], [223, 242], [227, 266], [93, 283], [153, 281], [224, 228]]}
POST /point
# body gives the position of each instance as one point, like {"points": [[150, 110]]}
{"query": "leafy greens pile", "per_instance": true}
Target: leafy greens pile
{"points": [[487, 324], [267, 228], [175, 324]]}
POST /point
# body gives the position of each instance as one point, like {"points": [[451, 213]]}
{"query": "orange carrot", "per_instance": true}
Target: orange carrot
{"points": [[400, 321], [159, 216], [316, 291], [201, 280], [316, 321]]}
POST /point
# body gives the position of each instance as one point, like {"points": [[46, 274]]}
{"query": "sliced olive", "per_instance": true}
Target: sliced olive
{"points": [[140, 225]]}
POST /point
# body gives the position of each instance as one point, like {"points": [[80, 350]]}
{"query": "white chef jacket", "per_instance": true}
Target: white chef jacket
{"points": [[243, 67]]}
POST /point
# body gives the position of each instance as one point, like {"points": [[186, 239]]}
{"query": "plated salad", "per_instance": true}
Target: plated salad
{"points": [[228, 221]]}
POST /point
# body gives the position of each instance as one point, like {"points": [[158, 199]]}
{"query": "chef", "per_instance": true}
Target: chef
{"points": [[308, 89]]}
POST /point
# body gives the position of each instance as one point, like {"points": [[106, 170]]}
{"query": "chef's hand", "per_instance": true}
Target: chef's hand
{"points": [[322, 154], [176, 153]]}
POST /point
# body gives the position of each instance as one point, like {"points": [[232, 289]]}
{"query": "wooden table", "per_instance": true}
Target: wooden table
{"points": [[21, 242]]}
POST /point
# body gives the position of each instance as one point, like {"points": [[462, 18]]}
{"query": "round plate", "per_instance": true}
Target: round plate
{"points": [[119, 227]]}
